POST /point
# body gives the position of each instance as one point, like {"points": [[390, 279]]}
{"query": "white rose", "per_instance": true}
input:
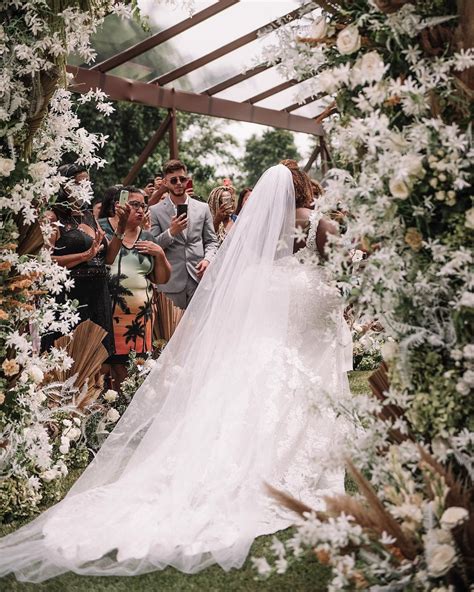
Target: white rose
{"points": [[369, 68], [113, 415], [453, 516], [468, 351], [49, 475], [467, 299], [413, 165], [67, 423], [389, 350], [73, 433], [398, 188], [462, 388], [7, 165], [65, 443], [36, 374], [110, 395], [38, 170], [470, 218], [348, 40], [319, 28], [440, 560], [327, 82]]}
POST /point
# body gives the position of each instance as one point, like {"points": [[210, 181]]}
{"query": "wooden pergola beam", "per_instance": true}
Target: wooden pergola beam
{"points": [[120, 89], [229, 47], [225, 84], [155, 40], [295, 106], [272, 91]]}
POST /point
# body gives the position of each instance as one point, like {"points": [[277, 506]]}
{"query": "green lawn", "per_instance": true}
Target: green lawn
{"points": [[303, 576]]}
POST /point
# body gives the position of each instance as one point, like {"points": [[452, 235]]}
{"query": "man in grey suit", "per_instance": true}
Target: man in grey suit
{"points": [[189, 240]]}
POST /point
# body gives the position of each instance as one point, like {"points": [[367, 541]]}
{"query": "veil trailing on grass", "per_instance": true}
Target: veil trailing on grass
{"points": [[179, 480]]}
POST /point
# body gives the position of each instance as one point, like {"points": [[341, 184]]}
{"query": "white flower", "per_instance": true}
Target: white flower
{"points": [[463, 388], [65, 443], [327, 82], [36, 374], [261, 565], [398, 188], [110, 395], [369, 68], [348, 40], [113, 415], [39, 171], [73, 433], [440, 560], [453, 516], [467, 299], [470, 218], [7, 165], [67, 423], [468, 351], [319, 28], [389, 350], [49, 475]]}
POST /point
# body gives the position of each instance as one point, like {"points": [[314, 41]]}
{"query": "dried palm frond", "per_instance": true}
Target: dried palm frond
{"points": [[386, 521], [380, 384], [168, 316], [86, 349], [31, 238], [289, 501]]}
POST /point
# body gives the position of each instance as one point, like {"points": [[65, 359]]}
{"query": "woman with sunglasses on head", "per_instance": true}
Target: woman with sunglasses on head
{"points": [[139, 262]]}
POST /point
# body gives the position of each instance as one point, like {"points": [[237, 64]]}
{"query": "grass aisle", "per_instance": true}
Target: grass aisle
{"points": [[304, 576]]}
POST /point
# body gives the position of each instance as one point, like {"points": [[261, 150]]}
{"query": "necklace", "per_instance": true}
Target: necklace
{"points": [[114, 228]]}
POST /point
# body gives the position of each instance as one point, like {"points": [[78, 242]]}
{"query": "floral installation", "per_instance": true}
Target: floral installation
{"points": [[39, 423], [398, 77]]}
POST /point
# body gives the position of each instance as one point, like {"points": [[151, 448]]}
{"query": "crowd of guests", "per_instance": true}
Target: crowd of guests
{"points": [[134, 242]]}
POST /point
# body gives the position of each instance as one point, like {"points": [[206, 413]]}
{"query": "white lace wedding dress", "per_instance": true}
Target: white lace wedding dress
{"points": [[240, 397]]}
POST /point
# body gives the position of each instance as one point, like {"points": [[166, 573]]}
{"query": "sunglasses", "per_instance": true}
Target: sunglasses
{"points": [[138, 205], [174, 180]]}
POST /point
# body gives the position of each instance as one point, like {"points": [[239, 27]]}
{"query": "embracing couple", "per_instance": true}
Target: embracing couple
{"points": [[229, 406]]}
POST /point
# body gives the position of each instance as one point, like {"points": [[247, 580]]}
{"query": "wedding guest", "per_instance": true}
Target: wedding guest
{"points": [[79, 244], [188, 239], [222, 205], [159, 192], [243, 197], [139, 263], [96, 207], [149, 187]]}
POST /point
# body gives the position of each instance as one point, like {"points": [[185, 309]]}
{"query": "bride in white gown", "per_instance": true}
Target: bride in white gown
{"points": [[237, 399]]}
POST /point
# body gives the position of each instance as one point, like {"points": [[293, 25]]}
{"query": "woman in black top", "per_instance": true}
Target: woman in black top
{"points": [[79, 244]]}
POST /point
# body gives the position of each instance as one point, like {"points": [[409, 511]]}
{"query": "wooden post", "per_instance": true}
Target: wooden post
{"points": [[173, 134], [312, 158], [147, 151]]}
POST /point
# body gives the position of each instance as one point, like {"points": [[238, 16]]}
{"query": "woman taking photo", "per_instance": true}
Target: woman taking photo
{"points": [[79, 244], [139, 263], [222, 205]]}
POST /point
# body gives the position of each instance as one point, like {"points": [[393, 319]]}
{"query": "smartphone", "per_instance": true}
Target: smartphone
{"points": [[189, 184], [123, 197], [182, 209]]}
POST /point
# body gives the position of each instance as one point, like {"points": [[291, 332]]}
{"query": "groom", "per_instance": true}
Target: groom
{"points": [[189, 240]]}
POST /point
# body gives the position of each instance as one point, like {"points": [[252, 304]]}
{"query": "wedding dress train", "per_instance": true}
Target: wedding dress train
{"points": [[238, 398]]}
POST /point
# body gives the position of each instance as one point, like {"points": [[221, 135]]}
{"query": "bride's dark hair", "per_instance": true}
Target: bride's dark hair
{"points": [[302, 184]]}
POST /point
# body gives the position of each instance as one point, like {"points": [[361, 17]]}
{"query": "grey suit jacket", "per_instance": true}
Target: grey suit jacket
{"points": [[188, 248]]}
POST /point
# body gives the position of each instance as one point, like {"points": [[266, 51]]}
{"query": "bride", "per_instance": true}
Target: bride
{"points": [[239, 398]]}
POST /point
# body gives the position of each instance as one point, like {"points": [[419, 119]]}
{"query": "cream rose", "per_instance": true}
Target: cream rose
{"points": [[369, 68], [470, 218], [110, 396], [453, 516], [398, 188], [65, 443], [7, 165], [440, 560], [38, 170], [113, 415], [36, 374], [348, 40], [389, 350], [319, 28], [10, 367]]}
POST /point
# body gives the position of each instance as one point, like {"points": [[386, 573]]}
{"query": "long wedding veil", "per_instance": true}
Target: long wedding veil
{"points": [[175, 482]]}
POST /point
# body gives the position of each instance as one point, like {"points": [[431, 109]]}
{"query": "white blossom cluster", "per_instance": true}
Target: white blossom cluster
{"points": [[401, 181], [38, 127]]}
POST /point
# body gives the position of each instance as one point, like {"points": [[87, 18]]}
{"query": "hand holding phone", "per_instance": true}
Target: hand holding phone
{"points": [[123, 197], [182, 209]]}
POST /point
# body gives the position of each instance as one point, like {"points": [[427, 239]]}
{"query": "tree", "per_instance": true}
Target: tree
{"points": [[266, 151], [203, 144]]}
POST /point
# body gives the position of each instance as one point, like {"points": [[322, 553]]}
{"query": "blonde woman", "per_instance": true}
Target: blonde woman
{"points": [[222, 205]]}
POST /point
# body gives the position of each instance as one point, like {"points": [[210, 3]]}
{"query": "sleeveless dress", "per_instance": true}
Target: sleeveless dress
{"points": [[198, 496], [90, 278]]}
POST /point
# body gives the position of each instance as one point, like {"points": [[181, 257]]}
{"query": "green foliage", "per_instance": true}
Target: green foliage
{"points": [[266, 151], [203, 145]]}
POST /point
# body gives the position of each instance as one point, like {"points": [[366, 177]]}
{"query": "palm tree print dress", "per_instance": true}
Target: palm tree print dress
{"points": [[131, 296]]}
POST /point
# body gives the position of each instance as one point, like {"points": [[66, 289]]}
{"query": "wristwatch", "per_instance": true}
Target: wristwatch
{"points": [[120, 235]]}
